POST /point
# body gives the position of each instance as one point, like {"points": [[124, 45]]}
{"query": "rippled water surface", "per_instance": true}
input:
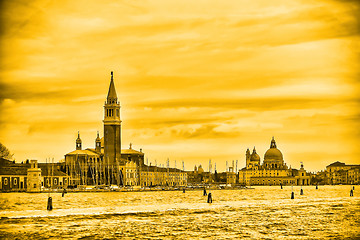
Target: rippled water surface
{"points": [[260, 213]]}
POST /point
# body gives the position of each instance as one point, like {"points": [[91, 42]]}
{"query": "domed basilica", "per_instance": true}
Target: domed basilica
{"points": [[273, 170]]}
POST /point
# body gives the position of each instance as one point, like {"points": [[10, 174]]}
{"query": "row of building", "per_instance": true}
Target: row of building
{"points": [[104, 165], [31, 176], [107, 164], [89, 167], [338, 173]]}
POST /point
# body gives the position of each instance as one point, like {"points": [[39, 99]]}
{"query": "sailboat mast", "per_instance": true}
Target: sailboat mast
{"points": [[47, 178], [52, 173]]}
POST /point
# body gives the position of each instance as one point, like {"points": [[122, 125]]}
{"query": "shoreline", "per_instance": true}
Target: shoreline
{"points": [[93, 190], [128, 190]]}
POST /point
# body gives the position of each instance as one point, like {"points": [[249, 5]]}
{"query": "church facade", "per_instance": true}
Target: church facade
{"points": [[272, 171], [107, 163]]}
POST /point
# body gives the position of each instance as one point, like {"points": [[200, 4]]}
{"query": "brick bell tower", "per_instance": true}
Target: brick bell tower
{"points": [[112, 126]]}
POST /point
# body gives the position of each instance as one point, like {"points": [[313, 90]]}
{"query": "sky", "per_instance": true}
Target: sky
{"points": [[196, 80]]}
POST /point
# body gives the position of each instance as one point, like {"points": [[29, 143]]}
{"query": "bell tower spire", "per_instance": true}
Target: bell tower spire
{"points": [[112, 125], [98, 143], [112, 97]]}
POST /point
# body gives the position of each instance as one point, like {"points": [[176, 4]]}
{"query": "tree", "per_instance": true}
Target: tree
{"points": [[5, 153]]}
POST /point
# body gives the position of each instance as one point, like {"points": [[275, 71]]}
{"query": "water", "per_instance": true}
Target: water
{"points": [[260, 213]]}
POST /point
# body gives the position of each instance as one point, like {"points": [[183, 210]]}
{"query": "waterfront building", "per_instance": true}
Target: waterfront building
{"points": [[273, 170], [89, 167], [12, 176], [220, 178], [23, 176], [341, 173], [107, 163], [318, 178], [131, 170], [199, 176], [103, 164], [80, 162], [33, 177], [230, 176], [159, 176], [354, 175]]}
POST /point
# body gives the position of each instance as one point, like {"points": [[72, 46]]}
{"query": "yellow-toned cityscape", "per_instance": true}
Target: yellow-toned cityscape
{"points": [[181, 119]]}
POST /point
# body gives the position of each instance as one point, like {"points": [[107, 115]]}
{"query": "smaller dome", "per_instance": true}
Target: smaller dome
{"points": [[255, 157]]}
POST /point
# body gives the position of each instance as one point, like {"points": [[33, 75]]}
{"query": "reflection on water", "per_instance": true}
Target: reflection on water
{"points": [[263, 212]]}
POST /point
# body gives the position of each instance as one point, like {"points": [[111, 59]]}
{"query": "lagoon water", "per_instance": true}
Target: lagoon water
{"points": [[259, 213]]}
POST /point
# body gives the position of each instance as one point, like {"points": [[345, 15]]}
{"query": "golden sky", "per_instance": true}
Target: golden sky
{"points": [[197, 80]]}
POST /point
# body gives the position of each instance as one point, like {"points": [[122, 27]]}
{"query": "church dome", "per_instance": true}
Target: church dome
{"points": [[273, 153]]}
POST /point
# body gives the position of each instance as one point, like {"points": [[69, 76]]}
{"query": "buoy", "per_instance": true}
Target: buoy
{"points": [[292, 195], [316, 187], [209, 198], [351, 193], [49, 205], [205, 192]]}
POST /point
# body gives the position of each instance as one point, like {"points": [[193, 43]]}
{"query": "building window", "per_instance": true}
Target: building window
{"points": [[34, 185], [55, 181], [15, 181], [5, 181]]}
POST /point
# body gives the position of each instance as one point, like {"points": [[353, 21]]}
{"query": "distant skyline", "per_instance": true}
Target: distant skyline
{"points": [[195, 80]]}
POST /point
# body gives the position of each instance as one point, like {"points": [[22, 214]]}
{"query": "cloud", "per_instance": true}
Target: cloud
{"points": [[263, 104], [195, 80]]}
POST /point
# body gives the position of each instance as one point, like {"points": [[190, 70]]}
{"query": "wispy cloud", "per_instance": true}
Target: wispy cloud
{"points": [[195, 80]]}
